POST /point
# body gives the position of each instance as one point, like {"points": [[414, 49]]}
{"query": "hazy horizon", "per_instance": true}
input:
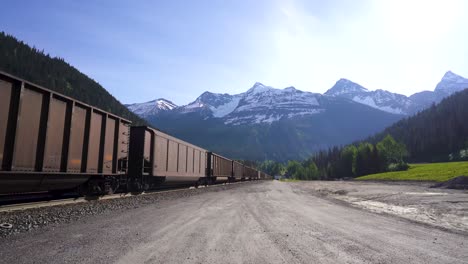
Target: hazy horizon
{"points": [[177, 50]]}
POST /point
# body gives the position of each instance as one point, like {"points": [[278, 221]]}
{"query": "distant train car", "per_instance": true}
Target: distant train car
{"points": [[237, 171], [50, 142], [250, 173], [221, 169], [261, 175], [157, 158]]}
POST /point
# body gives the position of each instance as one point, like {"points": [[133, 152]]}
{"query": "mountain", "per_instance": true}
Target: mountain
{"points": [[450, 84], [282, 124], [19, 59], [269, 123], [435, 133], [151, 108], [260, 104], [379, 99], [398, 103]]}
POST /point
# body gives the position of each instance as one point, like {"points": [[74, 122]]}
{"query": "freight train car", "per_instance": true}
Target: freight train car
{"points": [[156, 158], [250, 173], [50, 142], [263, 176], [237, 171], [221, 169]]}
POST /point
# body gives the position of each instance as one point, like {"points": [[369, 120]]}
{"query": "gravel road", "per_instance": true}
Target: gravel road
{"points": [[269, 222]]}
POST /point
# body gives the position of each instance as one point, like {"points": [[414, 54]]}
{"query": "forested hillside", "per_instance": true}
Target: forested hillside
{"points": [[19, 59], [439, 133]]}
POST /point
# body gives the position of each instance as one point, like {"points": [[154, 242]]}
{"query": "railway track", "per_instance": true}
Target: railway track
{"points": [[46, 200]]}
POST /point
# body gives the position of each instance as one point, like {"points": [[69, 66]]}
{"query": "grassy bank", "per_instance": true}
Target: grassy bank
{"points": [[438, 172]]}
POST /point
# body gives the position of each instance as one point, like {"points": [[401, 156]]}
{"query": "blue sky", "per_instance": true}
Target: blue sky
{"points": [[142, 50]]}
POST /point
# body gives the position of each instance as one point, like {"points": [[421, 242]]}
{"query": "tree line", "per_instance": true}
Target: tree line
{"points": [[360, 159], [437, 134], [344, 162]]}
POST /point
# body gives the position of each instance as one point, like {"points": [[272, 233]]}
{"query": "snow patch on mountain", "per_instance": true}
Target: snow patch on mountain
{"points": [[227, 108], [368, 100], [194, 105]]}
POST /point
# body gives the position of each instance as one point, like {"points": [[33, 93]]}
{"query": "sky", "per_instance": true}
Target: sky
{"points": [[177, 49]]}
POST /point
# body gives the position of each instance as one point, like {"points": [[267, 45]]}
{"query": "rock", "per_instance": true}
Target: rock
{"points": [[458, 183]]}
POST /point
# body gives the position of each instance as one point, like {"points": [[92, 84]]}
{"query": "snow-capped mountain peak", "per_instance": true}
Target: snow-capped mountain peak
{"points": [[259, 88], [218, 104], [450, 76], [451, 83], [379, 99], [151, 107], [345, 87], [259, 104], [164, 104]]}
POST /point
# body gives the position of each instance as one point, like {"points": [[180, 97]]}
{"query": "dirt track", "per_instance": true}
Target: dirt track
{"points": [[270, 222]]}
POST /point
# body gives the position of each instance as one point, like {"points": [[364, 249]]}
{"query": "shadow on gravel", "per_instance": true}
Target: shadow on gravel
{"points": [[458, 183]]}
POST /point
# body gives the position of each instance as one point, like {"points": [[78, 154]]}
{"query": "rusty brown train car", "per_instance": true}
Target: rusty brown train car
{"points": [[237, 171], [250, 173], [50, 142], [156, 158], [263, 176], [221, 169]]}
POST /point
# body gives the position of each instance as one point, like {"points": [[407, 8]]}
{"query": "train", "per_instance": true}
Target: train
{"points": [[50, 142]]}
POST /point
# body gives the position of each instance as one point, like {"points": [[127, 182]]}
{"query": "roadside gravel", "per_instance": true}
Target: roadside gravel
{"points": [[415, 201], [53, 216]]}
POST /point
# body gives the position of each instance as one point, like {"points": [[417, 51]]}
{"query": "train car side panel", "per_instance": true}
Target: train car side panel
{"points": [[108, 159], [94, 142], [173, 153], [55, 134], [196, 161], [29, 117], [182, 164], [160, 166], [190, 158], [5, 98], [203, 162], [76, 140]]}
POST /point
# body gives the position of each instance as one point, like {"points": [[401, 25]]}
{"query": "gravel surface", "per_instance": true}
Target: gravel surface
{"points": [[268, 222], [420, 202], [54, 216]]}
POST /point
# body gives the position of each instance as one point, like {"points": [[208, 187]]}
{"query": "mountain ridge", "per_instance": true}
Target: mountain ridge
{"points": [[224, 105]]}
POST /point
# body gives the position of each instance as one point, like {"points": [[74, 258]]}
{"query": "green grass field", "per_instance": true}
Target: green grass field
{"points": [[438, 172]]}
